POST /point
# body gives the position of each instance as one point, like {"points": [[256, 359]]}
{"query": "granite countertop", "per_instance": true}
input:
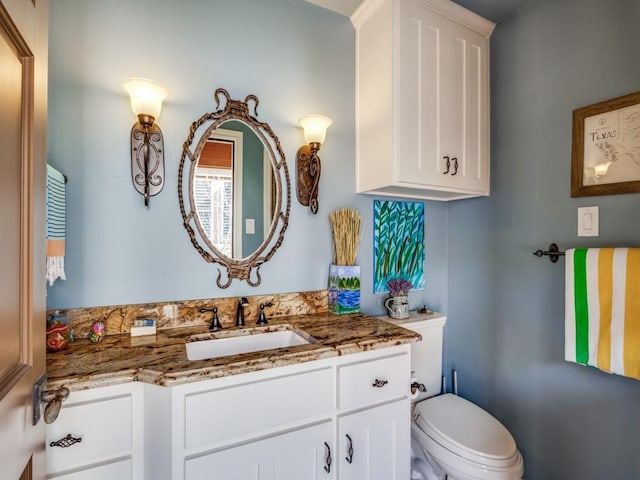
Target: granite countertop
{"points": [[162, 359]]}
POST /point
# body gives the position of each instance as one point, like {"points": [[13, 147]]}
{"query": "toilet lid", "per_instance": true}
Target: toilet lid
{"points": [[466, 428]]}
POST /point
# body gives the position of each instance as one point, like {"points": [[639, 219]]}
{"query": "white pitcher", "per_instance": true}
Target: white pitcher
{"points": [[397, 307]]}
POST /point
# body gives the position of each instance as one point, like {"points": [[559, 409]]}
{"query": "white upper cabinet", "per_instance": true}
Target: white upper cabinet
{"points": [[422, 99]]}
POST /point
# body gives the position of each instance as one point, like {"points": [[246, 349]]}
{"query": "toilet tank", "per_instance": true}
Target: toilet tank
{"points": [[426, 355]]}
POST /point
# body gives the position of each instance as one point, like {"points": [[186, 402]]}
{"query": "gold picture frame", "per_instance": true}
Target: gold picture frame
{"points": [[605, 153]]}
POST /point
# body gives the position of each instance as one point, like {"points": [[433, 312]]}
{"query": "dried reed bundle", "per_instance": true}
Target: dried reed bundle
{"points": [[345, 227]]}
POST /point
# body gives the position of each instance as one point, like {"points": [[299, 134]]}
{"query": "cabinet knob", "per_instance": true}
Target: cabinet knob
{"points": [[377, 383], [328, 460], [349, 458], [448, 165], [455, 165], [66, 441]]}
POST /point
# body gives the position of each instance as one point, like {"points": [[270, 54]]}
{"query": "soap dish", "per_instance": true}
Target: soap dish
{"points": [[143, 326]]}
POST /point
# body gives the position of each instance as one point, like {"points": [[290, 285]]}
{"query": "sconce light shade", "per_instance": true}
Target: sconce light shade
{"points": [[307, 160], [146, 96], [315, 127], [147, 144]]}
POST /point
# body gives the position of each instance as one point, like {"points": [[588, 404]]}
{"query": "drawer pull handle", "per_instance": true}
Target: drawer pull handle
{"points": [[66, 441], [327, 467], [349, 459], [455, 165], [377, 383]]}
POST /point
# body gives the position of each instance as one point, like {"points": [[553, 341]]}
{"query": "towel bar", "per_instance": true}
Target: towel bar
{"points": [[553, 253]]}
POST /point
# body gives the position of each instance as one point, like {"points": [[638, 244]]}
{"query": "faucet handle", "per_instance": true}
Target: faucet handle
{"points": [[215, 324], [262, 319]]}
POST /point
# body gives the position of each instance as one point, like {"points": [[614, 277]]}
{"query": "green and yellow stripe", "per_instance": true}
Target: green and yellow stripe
{"points": [[603, 309]]}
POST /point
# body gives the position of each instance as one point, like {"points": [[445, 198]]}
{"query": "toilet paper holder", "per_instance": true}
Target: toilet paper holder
{"points": [[417, 387]]}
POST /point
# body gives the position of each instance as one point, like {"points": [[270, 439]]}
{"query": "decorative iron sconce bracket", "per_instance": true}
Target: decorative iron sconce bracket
{"points": [[308, 175], [147, 157]]}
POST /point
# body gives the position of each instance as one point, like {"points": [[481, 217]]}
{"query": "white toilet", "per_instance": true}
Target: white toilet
{"points": [[464, 441]]}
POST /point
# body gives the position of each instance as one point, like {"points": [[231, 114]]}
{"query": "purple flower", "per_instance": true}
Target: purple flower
{"points": [[399, 286]]}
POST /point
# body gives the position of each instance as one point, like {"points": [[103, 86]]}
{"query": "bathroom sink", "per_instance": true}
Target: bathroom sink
{"points": [[220, 344]]}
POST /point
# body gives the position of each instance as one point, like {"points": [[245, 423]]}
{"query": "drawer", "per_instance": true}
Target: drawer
{"points": [[105, 426], [120, 470], [253, 409], [374, 381]]}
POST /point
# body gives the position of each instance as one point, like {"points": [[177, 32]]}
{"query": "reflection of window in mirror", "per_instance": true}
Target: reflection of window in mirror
{"points": [[215, 196], [213, 192]]}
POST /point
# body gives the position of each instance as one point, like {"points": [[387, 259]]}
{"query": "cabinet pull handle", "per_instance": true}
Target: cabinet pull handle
{"points": [[66, 441], [455, 165], [327, 467], [448, 165], [377, 383], [349, 459]]}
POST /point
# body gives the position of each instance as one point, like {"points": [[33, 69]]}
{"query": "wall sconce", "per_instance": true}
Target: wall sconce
{"points": [[147, 144], [307, 159]]}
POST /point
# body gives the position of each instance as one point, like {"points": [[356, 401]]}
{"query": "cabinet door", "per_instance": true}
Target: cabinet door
{"points": [[299, 455], [442, 136], [374, 444], [465, 117]]}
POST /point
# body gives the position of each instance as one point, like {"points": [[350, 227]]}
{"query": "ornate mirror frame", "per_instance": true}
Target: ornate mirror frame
{"points": [[247, 268]]}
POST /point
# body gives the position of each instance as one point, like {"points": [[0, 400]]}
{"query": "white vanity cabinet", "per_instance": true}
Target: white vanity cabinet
{"points": [[98, 435], [422, 99], [284, 423], [373, 424], [246, 425]]}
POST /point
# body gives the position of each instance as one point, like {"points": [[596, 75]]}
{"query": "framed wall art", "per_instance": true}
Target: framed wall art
{"points": [[398, 243], [605, 155]]}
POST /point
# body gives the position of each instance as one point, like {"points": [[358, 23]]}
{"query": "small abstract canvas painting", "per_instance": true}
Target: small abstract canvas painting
{"points": [[398, 243]]}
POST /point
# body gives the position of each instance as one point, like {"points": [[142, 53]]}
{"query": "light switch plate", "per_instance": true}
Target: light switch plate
{"points": [[588, 221], [250, 226]]}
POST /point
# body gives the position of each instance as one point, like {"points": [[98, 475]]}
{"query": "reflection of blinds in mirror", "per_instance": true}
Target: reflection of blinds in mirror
{"points": [[213, 190], [216, 154]]}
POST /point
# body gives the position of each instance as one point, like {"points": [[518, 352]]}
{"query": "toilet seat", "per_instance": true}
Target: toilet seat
{"points": [[462, 436]]}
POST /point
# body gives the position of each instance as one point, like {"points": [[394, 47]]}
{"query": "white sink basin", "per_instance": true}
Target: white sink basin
{"points": [[243, 341]]}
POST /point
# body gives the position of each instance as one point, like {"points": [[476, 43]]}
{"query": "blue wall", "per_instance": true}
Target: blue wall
{"points": [[505, 307], [296, 57], [505, 331]]}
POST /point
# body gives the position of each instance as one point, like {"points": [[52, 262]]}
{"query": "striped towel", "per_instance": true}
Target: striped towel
{"points": [[602, 309], [56, 224]]}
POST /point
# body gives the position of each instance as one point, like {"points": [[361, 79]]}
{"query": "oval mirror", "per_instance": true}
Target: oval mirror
{"points": [[238, 202]]}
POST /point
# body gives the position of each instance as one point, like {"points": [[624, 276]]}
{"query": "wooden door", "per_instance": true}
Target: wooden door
{"points": [[23, 89]]}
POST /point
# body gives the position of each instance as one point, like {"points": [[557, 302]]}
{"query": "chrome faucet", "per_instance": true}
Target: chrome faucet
{"points": [[242, 302]]}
